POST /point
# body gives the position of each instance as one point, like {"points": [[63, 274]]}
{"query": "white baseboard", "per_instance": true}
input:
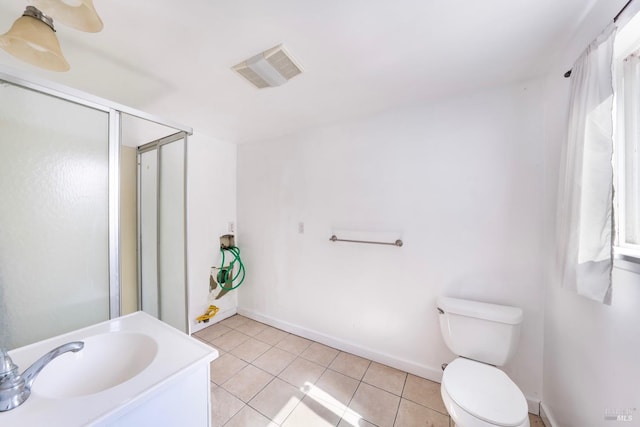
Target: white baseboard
{"points": [[428, 372], [547, 416], [424, 371], [533, 405]]}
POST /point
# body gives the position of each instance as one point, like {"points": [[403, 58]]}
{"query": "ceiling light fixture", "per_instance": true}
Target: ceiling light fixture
{"points": [[273, 67], [32, 37], [78, 14]]}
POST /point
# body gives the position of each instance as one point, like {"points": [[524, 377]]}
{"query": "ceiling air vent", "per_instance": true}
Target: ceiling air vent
{"points": [[273, 67]]}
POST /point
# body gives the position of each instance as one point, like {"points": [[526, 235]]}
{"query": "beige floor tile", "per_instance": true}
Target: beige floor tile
{"points": [[535, 421], [224, 405], [334, 387], [351, 419], [230, 340], [277, 400], [301, 373], [202, 340], [213, 331], [385, 377], [249, 417], [251, 327], [197, 334], [247, 383], [250, 350], [274, 360], [294, 344], [320, 354], [234, 321], [424, 392], [333, 395], [413, 415], [350, 364], [271, 335], [224, 367], [312, 413], [375, 405]]}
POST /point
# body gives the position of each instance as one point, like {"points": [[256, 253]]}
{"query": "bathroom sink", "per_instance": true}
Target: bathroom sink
{"points": [[132, 371], [106, 361]]}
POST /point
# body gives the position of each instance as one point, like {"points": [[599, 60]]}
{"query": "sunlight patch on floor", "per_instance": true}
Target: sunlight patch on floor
{"points": [[331, 404]]}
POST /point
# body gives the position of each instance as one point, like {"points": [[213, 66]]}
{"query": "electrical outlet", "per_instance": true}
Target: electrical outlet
{"points": [[301, 227], [231, 227]]}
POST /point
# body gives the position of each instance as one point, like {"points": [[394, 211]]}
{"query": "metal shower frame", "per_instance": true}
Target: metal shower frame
{"points": [[115, 111]]}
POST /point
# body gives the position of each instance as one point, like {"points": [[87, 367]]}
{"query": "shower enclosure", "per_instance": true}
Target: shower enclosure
{"points": [[60, 234]]}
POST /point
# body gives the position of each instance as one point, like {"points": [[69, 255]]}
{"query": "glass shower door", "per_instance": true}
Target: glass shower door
{"points": [[162, 201], [172, 232], [54, 216]]}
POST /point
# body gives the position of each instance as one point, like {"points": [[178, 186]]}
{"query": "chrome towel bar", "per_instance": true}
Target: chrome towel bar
{"points": [[397, 243]]}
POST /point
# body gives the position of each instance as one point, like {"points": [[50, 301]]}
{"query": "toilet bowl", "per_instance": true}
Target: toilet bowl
{"points": [[475, 392], [479, 395]]}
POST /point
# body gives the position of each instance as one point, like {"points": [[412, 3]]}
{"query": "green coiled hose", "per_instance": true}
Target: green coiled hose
{"points": [[223, 274]]}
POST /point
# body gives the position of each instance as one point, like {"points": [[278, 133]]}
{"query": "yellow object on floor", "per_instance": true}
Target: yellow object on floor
{"points": [[211, 311]]}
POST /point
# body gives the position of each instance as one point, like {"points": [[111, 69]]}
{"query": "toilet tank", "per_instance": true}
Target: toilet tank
{"points": [[480, 331]]}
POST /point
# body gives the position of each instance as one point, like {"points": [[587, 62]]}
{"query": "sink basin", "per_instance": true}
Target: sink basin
{"points": [[106, 361]]}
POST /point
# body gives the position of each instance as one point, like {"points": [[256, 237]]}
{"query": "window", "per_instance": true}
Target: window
{"points": [[627, 153]]}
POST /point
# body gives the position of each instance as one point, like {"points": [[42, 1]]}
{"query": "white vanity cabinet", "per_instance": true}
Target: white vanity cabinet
{"points": [[133, 371]]}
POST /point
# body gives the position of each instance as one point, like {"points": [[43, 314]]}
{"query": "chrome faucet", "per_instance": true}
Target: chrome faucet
{"points": [[15, 388]]}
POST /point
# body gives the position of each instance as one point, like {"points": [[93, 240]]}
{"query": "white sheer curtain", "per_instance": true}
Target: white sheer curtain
{"points": [[585, 208]]}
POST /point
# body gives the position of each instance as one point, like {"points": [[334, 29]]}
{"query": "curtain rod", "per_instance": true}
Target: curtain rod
{"points": [[615, 19]]}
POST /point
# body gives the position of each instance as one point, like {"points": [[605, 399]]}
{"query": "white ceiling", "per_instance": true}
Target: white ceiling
{"points": [[173, 58]]}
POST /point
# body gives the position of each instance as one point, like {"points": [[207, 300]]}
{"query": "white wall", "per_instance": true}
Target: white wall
{"points": [[211, 175], [591, 350], [591, 354], [461, 181]]}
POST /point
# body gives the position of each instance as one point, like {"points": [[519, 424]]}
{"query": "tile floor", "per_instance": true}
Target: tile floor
{"points": [[267, 377]]}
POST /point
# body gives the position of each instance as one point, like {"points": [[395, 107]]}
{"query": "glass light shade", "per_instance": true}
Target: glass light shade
{"points": [[33, 41], [78, 14]]}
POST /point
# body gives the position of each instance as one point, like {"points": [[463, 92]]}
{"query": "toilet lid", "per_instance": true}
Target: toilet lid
{"points": [[485, 392]]}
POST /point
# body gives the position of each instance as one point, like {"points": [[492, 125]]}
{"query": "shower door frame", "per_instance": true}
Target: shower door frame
{"points": [[145, 148], [115, 111]]}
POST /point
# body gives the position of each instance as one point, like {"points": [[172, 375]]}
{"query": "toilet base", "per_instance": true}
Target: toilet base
{"points": [[462, 418]]}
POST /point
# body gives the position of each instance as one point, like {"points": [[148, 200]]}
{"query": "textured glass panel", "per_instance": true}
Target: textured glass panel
{"points": [[148, 231], [54, 272], [172, 239]]}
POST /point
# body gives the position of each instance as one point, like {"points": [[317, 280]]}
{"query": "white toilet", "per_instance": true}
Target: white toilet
{"points": [[474, 391]]}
